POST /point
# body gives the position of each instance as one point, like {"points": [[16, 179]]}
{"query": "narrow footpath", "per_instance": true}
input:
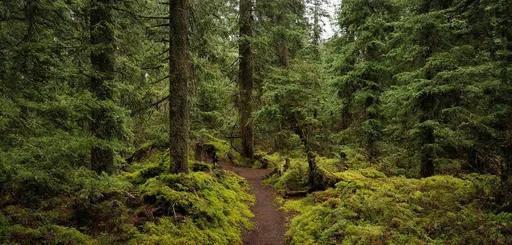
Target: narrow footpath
{"points": [[269, 221]]}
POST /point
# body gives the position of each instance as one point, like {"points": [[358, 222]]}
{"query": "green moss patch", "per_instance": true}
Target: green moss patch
{"points": [[144, 205], [366, 207]]}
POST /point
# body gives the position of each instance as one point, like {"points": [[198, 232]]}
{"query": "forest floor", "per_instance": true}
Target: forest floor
{"points": [[269, 222]]}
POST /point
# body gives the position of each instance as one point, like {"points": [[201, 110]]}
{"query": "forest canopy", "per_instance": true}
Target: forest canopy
{"points": [[120, 121]]}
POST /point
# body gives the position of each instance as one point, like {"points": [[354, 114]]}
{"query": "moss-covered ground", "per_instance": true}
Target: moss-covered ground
{"points": [[143, 205], [368, 207]]}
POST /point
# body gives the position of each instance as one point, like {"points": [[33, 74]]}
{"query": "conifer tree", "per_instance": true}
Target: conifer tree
{"points": [[246, 78], [179, 78], [102, 59]]}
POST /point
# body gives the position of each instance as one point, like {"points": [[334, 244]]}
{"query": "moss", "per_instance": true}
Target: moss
{"points": [[144, 205], [366, 207], [293, 178], [331, 165], [51, 234], [201, 167], [223, 148], [200, 208]]}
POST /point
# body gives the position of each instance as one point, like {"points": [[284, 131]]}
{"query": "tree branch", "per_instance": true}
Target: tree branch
{"points": [[151, 67], [156, 26], [159, 80], [137, 111]]}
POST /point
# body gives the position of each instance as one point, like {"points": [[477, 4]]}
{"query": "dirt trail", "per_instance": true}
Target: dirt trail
{"points": [[269, 222]]}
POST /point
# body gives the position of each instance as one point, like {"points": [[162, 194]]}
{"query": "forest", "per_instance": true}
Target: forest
{"points": [[178, 122]]}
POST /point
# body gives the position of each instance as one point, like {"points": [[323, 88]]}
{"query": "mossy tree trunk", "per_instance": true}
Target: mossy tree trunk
{"points": [[303, 135], [102, 60], [246, 78], [179, 104]]}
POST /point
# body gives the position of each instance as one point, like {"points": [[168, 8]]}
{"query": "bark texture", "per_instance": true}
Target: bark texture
{"points": [[102, 60], [246, 79], [179, 74]]}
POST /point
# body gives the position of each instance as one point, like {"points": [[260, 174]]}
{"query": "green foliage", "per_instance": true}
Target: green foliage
{"points": [[53, 234], [402, 83], [294, 178], [224, 149], [418, 77], [366, 207], [202, 209], [146, 205], [62, 207]]}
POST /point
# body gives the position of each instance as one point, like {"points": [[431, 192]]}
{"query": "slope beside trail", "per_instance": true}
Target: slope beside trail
{"points": [[269, 221]]}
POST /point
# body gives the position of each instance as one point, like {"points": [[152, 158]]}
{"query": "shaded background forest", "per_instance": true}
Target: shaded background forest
{"points": [[410, 88]]}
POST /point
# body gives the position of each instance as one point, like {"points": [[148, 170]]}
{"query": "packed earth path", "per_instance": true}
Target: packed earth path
{"points": [[269, 222]]}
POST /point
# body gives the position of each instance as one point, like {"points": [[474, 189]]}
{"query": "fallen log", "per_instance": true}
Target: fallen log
{"points": [[288, 194]]}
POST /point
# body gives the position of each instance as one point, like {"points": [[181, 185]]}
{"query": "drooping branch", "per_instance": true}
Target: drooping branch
{"points": [[155, 17], [161, 80], [152, 67], [156, 103], [165, 59], [159, 25], [166, 51]]}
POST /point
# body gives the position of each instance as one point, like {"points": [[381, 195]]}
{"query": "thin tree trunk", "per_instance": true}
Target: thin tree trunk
{"points": [[282, 45], [179, 104], [102, 59], [284, 56], [246, 79], [316, 29], [427, 153]]}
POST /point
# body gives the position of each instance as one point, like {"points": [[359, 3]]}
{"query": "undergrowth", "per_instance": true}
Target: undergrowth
{"points": [[367, 207], [143, 205]]}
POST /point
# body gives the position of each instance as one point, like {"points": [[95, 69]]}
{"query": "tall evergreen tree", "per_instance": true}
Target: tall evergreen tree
{"points": [[179, 78], [102, 59], [362, 69], [246, 78], [318, 13]]}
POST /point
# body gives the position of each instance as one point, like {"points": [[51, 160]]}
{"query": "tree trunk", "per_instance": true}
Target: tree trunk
{"points": [[371, 137], [427, 153], [284, 56], [179, 104], [102, 59], [246, 79], [309, 153], [317, 29]]}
